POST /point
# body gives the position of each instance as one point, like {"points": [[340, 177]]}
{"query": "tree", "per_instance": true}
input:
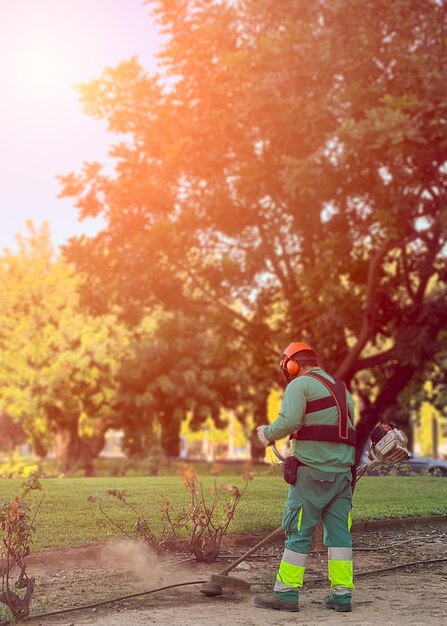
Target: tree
{"points": [[287, 166], [177, 366], [58, 365]]}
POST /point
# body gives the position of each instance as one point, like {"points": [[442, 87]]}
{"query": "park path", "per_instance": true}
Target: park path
{"points": [[412, 596]]}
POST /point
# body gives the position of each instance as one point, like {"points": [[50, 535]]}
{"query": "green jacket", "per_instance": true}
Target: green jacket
{"points": [[322, 455]]}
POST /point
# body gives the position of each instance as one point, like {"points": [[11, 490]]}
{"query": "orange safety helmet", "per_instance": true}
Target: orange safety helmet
{"points": [[291, 368]]}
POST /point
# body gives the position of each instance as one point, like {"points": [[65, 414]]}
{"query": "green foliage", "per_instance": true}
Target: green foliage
{"points": [[119, 467], [284, 173], [176, 366], [58, 365]]}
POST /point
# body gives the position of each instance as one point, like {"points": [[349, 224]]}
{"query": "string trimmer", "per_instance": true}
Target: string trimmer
{"points": [[388, 446]]}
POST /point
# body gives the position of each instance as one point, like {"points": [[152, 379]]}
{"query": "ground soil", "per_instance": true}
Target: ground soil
{"points": [[414, 595]]}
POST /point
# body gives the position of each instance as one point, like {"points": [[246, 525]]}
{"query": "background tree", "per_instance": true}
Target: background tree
{"points": [[288, 165], [58, 365], [177, 366]]}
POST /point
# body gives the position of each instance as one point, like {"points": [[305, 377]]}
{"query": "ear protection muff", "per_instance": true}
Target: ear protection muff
{"points": [[292, 367]]}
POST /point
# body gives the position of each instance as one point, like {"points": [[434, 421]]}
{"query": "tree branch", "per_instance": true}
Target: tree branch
{"points": [[285, 259], [376, 359], [434, 247], [268, 247], [406, 275], [370, 314], [216, 301]]}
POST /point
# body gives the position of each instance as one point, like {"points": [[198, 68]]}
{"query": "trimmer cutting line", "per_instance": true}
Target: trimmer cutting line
{"points": [[388, 446]]}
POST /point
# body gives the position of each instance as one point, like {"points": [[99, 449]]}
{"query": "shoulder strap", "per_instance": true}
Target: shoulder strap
{"points": [[339, 394]]}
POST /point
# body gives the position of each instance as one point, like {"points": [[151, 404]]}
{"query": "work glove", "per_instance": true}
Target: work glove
{"points": [[262, 438]]}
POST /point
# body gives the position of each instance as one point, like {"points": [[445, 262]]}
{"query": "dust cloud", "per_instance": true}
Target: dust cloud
{"points": [[136, 558]]}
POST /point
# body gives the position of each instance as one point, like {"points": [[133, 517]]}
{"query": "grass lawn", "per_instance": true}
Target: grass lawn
{"points": [[67, 519]]}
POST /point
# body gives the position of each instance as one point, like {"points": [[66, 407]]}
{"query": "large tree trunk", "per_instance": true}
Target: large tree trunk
{"points": [[431, 318], [170, 436], [11, 433], [138, 439], [75, 452]]}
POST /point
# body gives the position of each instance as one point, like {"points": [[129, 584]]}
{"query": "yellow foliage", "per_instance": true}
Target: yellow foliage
{"points": [[424, 431], [274, 404], [17, 467], [86, 428]]}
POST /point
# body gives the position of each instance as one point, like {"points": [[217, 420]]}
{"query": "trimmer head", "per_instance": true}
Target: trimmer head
{"points": [[230, 582], [211, 590], [217, 582]]}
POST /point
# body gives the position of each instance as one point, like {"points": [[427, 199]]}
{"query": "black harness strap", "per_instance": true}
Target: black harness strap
{"points": [[336, 434], [338, 392], [323, 433]]}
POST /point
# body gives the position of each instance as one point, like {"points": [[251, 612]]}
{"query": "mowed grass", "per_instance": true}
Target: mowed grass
{"points": [[66, 518]]}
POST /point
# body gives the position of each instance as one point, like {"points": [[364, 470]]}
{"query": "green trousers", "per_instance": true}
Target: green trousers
{"points": [[317, 495]]}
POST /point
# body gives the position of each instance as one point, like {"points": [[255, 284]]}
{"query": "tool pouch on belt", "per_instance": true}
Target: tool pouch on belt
{"points": [[290, 469]]}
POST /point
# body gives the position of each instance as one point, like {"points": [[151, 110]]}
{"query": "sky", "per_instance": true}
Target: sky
{"points": [[47, 47]]}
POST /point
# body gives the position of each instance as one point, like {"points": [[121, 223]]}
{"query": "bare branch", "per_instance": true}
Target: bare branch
{"points": [[376, 359], [370, 314], [215, 300], [406, 274], [268, 248], [434, 247]]}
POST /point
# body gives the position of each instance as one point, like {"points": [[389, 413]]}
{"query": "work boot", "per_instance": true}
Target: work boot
{"points": [[341, 607], [270, 601]]}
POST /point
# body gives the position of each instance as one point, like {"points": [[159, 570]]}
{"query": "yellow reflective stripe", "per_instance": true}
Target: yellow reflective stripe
{"points": [[349, 521], [341, 574], [300, 517], [290, 575]]}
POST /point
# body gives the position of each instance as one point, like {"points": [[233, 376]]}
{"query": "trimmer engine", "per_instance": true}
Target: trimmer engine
{"points": [[388, 446]]}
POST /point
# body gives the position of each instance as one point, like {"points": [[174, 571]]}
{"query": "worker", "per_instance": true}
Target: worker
{"points": [[318, 414]]}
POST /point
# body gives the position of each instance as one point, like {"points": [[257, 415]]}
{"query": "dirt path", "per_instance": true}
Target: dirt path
{"points": [[412, 596]]}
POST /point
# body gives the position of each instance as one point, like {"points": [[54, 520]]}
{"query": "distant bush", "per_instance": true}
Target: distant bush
{"points": [[22, 467], [18, 467]]}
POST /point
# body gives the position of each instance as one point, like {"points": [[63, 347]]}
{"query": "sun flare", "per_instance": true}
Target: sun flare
{"points": [[41, 61]]}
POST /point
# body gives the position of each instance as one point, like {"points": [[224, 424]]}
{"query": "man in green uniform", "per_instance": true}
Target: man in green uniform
{"points": [[318, 414]]}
